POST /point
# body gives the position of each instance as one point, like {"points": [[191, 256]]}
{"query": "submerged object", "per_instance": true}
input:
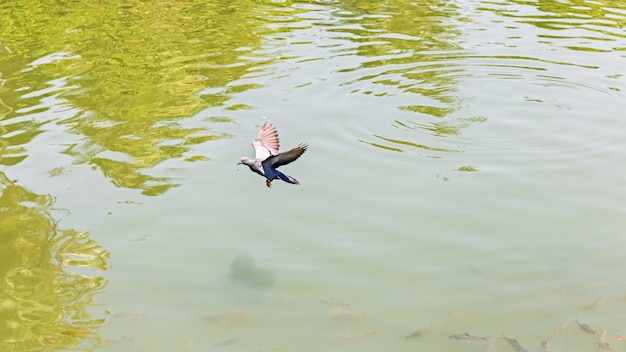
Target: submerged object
{"points": [[586, 328], [229, 341], [226, 319], [619, 338], [267, 157], [515, 344], [334, 302], [559, 329], [597, 304], [468, 338], [418, 333], [244, 270], [604, 346]]}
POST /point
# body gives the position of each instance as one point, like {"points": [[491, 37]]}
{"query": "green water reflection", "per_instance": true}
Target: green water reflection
{"points": [[49, 276], [603, 19], [124, 92]]}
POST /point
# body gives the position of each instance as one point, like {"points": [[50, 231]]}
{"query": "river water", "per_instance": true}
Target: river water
{"points": [[465, 174]]}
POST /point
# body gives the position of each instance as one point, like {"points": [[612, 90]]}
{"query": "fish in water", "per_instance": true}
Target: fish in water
{"points": [[468, 338], [228, 342], [226, 319], [123, 339], [267, 157], [559, 329], [604, 346], [545, 347], [586, 328], [334, 302], [418, 333], [619, 338], [597, 304], [515, 344]]}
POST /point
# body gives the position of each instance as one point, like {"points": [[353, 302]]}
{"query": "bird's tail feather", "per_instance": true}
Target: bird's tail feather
{"points": [[286, 178]]}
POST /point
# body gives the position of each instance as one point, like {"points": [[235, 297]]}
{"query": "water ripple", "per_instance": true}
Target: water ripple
{"points": [[454, 72], [430, 58]]}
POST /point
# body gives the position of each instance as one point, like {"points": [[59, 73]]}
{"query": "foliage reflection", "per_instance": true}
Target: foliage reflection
{"points": [[126, 90], [49, 276]]}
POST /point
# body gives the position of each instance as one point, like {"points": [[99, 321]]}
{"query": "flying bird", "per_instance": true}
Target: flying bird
{"points": [[268, 158]]}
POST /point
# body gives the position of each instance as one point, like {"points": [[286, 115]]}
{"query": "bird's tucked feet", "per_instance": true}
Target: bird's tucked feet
{"points": [[268, 183]]}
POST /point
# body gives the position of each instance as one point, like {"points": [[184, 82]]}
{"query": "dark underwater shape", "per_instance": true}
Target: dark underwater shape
{"points": [[267, 157], [244, 270]]}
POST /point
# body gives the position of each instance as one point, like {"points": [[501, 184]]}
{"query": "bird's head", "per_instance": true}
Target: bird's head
{"points": [[245, 160]]}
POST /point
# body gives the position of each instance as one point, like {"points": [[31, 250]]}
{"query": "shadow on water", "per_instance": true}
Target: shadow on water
{"points": [[244, 271], [50, 276]]}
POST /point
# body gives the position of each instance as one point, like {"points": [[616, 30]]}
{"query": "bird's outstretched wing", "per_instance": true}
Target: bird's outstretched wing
{"points": [[266, 142], [288, 156]]}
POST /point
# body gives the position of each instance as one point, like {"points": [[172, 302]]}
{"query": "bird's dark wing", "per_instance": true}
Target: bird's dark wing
{"points": [[266, 142], [287, 157]]}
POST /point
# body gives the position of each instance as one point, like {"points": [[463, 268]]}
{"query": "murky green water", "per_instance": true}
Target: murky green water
{"points": [[465, 174]]}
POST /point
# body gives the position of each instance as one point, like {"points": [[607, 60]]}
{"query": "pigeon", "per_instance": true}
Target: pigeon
{"points": [[268, 158]]}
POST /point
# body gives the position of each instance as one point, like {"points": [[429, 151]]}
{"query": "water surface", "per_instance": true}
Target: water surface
{"points": [[465, 174]]}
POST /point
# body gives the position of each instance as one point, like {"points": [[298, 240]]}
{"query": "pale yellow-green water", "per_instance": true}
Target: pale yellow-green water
{"points": [[466, 173]]}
